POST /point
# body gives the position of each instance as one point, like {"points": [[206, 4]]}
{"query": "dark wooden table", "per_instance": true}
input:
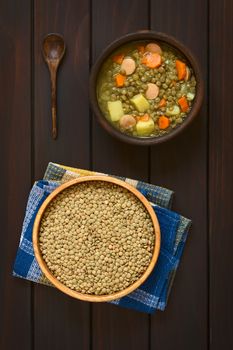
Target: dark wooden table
{"points": [[197, 165]]}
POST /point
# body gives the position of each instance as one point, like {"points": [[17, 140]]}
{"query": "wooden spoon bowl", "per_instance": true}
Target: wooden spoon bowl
{"points": [[49, 274], [53, 49]]}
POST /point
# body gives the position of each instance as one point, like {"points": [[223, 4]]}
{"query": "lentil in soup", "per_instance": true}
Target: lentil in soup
{"points": [[145, 89]]}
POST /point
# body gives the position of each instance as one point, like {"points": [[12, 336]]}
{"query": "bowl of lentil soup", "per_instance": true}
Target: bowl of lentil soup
{"points": [[145, 88], [96, 238]]}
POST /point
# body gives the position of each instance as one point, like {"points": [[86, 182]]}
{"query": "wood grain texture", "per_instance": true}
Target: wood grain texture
{"points": [[182, 166], [221, 174], [15, 155], [70, 19], [110, 326], [56, 321]]}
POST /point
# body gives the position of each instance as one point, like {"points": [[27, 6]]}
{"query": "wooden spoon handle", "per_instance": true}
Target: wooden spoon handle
{"points": [[54, 102], [54, 122]]}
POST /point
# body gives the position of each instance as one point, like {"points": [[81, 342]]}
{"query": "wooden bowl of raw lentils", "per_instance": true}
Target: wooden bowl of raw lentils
{"points": [[146, 88], [96, 238]]}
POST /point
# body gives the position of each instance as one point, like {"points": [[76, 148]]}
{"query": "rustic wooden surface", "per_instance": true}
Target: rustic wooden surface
{"points": [[197, 165]]}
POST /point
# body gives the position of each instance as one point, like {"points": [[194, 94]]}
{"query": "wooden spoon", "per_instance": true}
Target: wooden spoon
{"points": [[53, 52]]}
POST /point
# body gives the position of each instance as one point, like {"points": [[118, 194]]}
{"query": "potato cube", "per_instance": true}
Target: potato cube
{"points": [[140, 102], [145, 128], [115, 110]]}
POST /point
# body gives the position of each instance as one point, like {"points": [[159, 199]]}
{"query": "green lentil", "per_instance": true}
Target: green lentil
{"points": [[88, 256], [162, 79]]}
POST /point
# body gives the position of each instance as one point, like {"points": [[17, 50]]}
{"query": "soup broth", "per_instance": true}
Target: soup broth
{"points": [[146, 89]]}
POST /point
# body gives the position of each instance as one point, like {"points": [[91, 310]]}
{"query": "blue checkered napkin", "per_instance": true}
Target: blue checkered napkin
{"points": [[26, 265], [156, 194], [153, 293]]}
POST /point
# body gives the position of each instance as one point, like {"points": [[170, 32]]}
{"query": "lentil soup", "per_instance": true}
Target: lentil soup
{"points": [[146, 89], [96, 238]]}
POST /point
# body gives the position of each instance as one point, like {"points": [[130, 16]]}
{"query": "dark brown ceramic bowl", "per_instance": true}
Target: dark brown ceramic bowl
{"points": [[141, 36]]}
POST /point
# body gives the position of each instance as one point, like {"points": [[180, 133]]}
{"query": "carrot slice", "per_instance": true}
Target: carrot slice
{"points": [[162, 103], [118, 58], [183, 104], [120, 80], [181, 69], [152, 59], [143, 118], [163, 122], [141, 49]]}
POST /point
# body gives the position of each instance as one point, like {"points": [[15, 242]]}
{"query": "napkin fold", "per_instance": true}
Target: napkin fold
{"points": [[153, 293]]}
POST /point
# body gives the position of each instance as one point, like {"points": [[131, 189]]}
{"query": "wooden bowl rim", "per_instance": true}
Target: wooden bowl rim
{"points": [[52, 278], [139, 36]]}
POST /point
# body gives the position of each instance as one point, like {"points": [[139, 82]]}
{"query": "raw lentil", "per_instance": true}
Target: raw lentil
{"points": [[105, 247]]}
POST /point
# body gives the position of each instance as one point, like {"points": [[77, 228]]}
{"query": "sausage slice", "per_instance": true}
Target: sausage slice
{"points": [[128, 65], [152, 91], [152, 47], [127, 121]]}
